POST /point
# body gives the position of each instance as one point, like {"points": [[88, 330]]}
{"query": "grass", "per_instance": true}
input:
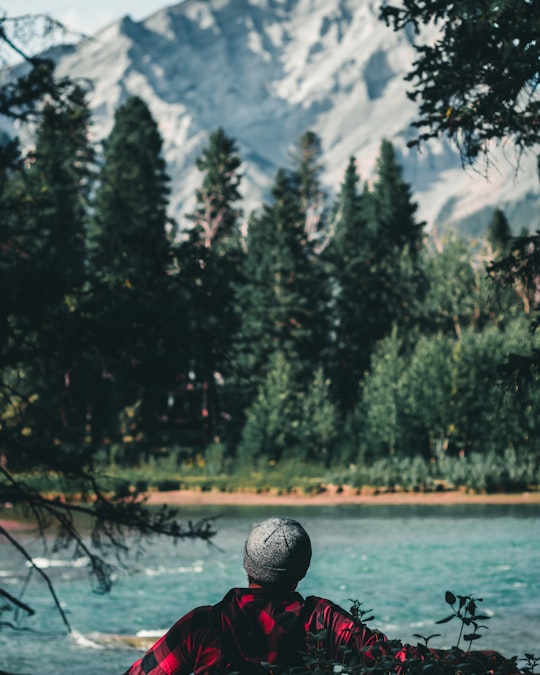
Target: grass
{"points": [[476, 472]]}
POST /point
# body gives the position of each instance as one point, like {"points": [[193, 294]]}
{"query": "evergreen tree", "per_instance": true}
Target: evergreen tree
{"points": [[381, 398], [397, 242], [137, 299], [43, 263], [499, 232], [283, 298], [374, 255], [45, 220], [350, 254], [129, 242], [216, 215], [288, 420], [210, 260], [272, 420], [306, 170], [318, 429], [393, 208]]}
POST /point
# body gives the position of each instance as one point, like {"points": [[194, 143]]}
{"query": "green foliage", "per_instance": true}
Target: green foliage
{"points": [[287, 423], [449, 392], [209, 261], [373, 257], [319, 419], [42, 262], [499, 233], [282, 298], [392, 206], [306, 171], [464, 609], [129, 238], [272, 421], [382, 395], [478, 81], [385, 656], [350, 256], [54, 345], [216, 218], [452, 296]]}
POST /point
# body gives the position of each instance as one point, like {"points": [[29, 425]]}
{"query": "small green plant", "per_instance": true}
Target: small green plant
{"points": [[359, 614], [531, 664], [464, 609]]}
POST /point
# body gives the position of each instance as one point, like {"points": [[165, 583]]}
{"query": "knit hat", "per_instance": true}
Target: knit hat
{"points": [[277, 551]]}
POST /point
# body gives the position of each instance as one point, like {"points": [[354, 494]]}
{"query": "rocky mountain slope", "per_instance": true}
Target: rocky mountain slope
{"points": [[269, 70]]}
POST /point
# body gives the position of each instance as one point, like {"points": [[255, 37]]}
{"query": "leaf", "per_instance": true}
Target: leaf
{"points": [[472, 607], [472, 636], [450, 597], [448, 618], [321, 635]]}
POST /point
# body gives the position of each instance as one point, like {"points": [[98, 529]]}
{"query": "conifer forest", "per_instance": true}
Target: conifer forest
{"points": [[316, 336]]}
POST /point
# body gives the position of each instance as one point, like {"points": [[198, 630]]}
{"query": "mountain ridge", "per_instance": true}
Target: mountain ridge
{"points": [[269, 70]]}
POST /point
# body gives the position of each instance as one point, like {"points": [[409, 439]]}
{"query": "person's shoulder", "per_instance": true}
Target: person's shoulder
{"points": [[196, 616], [324, 604]]}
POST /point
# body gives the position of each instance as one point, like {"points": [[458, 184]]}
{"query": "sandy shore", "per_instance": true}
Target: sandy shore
{"points": [[331, 497], [334, 496]]}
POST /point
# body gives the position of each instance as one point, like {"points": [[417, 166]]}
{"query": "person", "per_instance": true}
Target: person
{"points": [[268, 626]]}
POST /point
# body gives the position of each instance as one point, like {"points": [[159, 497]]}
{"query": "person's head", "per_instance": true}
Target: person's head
{"points": [[277, 553]]}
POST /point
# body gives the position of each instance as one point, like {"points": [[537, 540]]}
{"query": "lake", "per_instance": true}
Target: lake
{"points": [[397, 560]]}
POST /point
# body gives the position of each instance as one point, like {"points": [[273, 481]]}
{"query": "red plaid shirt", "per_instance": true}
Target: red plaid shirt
{"points": [[247, 627]]}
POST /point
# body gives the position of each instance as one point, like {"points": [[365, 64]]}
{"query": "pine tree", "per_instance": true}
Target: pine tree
{"points": [[48, 226], [129, 242], [397, 243], [210, 261], [374, 256], [216, 215], [393, 208], [355, 294], [138, 301], [43, 263], [499, 232], [283, 298], [306, 171], [272, 420]]}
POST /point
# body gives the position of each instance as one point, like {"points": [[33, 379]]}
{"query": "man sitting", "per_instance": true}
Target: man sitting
{"points": [[269, 627]]}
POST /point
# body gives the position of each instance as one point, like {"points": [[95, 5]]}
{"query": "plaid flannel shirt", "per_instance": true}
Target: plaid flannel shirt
{"points": [[248, 627]]}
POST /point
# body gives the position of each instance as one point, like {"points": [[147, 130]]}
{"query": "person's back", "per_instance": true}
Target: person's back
{"points": [[269, 626], [267, 623]]}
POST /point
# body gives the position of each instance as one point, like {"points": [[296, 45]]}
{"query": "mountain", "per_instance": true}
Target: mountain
{"points": [[269, 70]]}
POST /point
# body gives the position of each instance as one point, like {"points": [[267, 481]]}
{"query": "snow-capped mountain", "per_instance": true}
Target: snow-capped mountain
{"points": [[269, 70]]}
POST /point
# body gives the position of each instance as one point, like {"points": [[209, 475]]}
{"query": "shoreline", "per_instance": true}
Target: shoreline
{"points": [[333, 496]]}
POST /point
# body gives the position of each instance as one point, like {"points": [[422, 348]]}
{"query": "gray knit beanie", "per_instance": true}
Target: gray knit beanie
{"points": [[277, 551]]}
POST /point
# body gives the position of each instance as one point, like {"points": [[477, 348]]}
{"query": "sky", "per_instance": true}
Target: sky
{"points": [[86, 16]]}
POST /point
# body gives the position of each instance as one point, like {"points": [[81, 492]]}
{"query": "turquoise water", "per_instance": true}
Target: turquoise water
{"points": [[397, 560]]}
